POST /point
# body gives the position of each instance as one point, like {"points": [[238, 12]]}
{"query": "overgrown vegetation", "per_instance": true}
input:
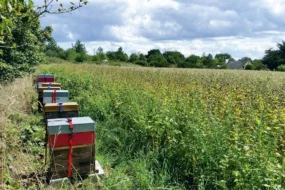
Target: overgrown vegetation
{"points": [[22, 41], [197, 129], [21, 153]]}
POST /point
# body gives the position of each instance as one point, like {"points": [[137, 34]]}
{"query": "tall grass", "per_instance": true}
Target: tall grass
{"points": [[20, 152], [174, 128]]}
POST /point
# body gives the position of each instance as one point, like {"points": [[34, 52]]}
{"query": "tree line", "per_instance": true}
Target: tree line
{"points": [[153, 58]]}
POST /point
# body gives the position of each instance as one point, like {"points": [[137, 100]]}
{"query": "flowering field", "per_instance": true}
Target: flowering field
{"points": [[178, 128]]}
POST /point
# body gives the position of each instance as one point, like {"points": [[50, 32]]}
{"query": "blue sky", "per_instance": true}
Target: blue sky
{"points": [[241, 28]]}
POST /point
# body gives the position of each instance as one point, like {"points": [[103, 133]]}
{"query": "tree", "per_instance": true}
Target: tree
{"points": [[152, 53], [26, 42], [11, 9], [222, 57], [193, 61], [258, 65], [100, 55], [142, 57], [133, 58], [79, 47], [208, 61], [121, 55], [274, 58], [156, 59], [118, 55], [174, 57], [111, 55], [22, 42]]}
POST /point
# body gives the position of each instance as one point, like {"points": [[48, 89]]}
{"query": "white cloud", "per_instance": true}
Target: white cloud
{"points": [[241, 28]]}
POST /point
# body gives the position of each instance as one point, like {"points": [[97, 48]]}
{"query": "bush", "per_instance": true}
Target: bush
{"points": [[134, 58], [81, 57], [8, 72], [249, 67], [281, 68], [157, 60], [142, 63]]}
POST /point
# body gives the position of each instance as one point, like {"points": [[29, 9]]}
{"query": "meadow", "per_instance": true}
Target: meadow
{"points": [[165, 128], [175, 128]]}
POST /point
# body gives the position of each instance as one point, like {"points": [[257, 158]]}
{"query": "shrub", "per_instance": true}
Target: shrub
{"points": [[81, 57], [142, 63], [281, 68], [249, 67]]}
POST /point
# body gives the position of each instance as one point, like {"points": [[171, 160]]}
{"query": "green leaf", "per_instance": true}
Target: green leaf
{"points": [[25, 19], [9, 6]]}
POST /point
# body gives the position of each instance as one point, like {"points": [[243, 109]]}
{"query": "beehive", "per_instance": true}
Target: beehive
{"points": [[55, 96], [51, 84], [40, 95], [61, 110], [71, 138], [44, 78]]}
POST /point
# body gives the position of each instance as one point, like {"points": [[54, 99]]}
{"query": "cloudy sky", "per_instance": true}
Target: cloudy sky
{"points": [[239, 27]]}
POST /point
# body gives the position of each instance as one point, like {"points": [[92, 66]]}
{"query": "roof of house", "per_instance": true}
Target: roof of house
{"points": [[237, 64]]}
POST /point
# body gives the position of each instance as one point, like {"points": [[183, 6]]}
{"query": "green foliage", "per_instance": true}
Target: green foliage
{"points": [[142, 57], [100, 55], [208, 61], [133, 58], [193, 61], [249, 67], [118, 55], [22, 42], [222, 57], [275, 58], [70, 54], [258, 65], [174, 57], [81, 57], [156, 59], [79, 47], [23, 46], [7, 72], [141, 62], [281, 68]]}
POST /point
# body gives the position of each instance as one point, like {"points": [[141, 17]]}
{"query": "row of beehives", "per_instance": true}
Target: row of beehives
{"points": [[70, 139]]}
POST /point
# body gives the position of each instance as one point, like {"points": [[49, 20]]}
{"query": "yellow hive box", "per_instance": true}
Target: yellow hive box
{"points": [[68, 106], [53, 84], [41, 89]]}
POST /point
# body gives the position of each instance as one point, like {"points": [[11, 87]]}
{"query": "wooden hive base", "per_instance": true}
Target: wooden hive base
{"points": [[83, 161], [54, 115], [99, 172]]}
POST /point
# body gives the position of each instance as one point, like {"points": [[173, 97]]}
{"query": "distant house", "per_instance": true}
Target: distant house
{"points": [[240, 64]]}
